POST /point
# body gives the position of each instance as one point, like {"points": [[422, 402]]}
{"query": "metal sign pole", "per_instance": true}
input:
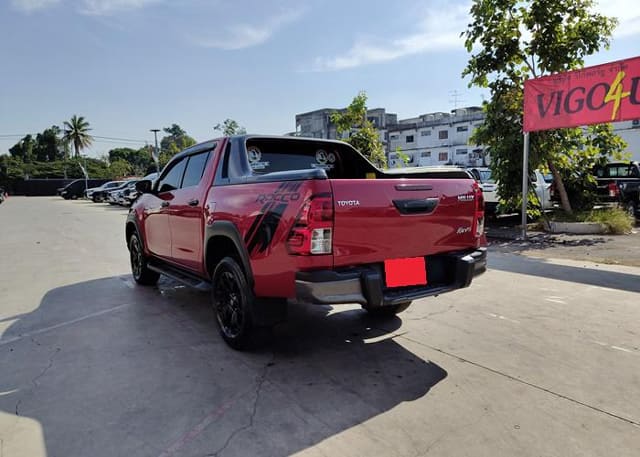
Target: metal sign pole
{"points": [[525, 184]]}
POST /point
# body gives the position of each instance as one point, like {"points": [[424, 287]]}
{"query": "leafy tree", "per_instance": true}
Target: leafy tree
{"points": [[23, 149], [361, 132], [77, 133], [49, 145], [176, 140], [140, 160], [514, 40], [229, 127], [120, 169]]}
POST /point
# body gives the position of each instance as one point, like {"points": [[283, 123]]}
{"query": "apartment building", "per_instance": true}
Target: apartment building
{"points": [[438, 138], [318, 124]]}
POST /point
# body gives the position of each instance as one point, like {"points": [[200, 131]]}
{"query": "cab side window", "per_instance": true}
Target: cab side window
{"points": [[195, 169], [172, 178]]}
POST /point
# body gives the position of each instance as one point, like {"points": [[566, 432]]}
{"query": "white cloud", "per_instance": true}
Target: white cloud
{"points": [[438, 31], [109, 7], [241, 36], [29, 6], [627, 13]]}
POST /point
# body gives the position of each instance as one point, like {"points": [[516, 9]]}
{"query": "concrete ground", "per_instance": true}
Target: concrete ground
{"points": [[504, 236], [539, 357]]}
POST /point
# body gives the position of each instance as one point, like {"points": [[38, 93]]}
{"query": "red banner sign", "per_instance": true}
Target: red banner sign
{"points": [[593, 95]]}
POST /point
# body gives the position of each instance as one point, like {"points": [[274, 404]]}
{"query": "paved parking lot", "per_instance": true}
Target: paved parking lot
{"points": [[538, 358]]}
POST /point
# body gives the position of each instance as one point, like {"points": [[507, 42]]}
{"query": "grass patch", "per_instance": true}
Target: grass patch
{"points": [[616, 220]]}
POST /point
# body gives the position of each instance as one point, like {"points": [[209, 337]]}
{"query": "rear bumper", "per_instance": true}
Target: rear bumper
{"points": [[366, 285]]}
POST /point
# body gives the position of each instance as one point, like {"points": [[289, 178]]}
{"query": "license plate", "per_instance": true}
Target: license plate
{"points": [[411, 271]]}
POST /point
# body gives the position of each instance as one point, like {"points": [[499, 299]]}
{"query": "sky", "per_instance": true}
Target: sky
{"points": [[129, 66]]}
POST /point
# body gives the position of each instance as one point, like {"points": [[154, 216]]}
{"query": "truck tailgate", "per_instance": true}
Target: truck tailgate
{"points": [[381, 219]]}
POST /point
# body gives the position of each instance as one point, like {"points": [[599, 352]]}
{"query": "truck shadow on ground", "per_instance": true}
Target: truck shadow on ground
{"points": [[514, 263], [110, 368]]}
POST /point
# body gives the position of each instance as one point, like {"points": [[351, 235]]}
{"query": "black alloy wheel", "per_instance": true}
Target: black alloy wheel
{"points": [[141, 273], [232, 301]]}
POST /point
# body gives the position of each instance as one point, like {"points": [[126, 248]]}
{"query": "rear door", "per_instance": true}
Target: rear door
{"points": [[383, 219]]}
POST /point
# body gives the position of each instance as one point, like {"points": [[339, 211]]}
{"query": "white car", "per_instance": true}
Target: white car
{"points": [[541, 182], [106, 186]]}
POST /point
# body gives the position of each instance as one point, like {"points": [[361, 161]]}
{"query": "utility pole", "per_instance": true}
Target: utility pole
{"points": [[156, 156]]}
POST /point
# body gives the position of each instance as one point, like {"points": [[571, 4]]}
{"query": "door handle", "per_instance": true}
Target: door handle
{"points": [[164, 204], [193, 202]]}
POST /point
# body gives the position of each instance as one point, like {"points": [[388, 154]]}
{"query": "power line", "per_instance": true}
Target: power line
{"points": [[119, 139], [103, 139]]}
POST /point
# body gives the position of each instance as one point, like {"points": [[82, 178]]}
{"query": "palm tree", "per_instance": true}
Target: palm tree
{"points": [[76, 132]]}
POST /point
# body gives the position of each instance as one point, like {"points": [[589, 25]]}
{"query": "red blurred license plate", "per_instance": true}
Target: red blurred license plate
{"points": [[405, 272]]}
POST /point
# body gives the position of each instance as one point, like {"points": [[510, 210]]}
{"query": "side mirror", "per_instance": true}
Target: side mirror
{"points": [[144, 186]]}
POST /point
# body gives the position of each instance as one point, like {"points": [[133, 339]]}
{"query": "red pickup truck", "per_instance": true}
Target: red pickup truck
{"points": [[264, 221]]}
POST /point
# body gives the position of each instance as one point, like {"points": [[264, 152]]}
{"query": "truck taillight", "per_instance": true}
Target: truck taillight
{"points": [[479, 216], [614, 191], [312, 232]]}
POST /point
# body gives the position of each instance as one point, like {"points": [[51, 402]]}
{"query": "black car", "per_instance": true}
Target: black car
{"points": [[619, 183], [76, 188]]}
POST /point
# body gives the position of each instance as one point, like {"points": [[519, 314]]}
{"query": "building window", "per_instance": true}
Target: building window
{"points": [[425, 133], [425, 154], [443, 156], [443, 134], [409, 139], [463, 128], [461, 151], [394, 137]]}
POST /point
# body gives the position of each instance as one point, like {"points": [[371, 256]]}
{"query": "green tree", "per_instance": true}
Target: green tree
{"points": [[119, 169], [514, 40], [77, 133], [140, 160], [361, 133], [23, 149], [49, 145], [176, 140], [229, 127]]}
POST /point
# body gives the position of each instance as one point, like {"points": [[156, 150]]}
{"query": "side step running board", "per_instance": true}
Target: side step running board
{"points": [[180, 276]]}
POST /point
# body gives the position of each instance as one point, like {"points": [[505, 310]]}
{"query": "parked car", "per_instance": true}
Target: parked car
{"points": [[488, 186], [130, 194], [261, 221], [3, 194], [619, 183], [76, 188], [100, 195], [106, 186], [539, 181], [113, 196]]}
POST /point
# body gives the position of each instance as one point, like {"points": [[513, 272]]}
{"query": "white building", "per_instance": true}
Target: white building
{"points": [[437, 139], [434, 138]]}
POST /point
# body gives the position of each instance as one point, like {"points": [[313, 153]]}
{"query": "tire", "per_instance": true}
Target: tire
{"points": [[388, 311], [141, 273], [233, 303]]}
